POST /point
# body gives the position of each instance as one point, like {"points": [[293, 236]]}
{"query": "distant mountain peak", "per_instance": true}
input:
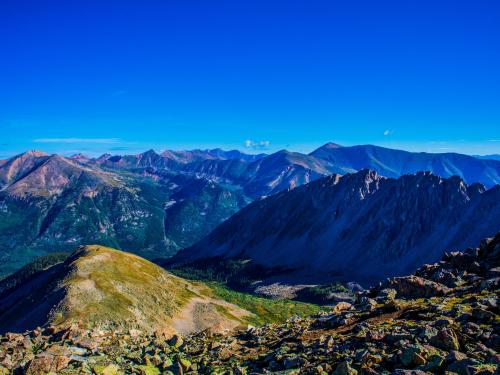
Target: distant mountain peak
{"points": [[28, 154], [36, 153], [150, 152], [58, 158], [104, 157], [168, 154], [281, 153], [332, 145], [18, 166], [326, 147], [79, 156]]}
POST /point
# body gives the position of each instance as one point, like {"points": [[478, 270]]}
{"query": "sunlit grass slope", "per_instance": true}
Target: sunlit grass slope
{"points": [[111, 288]]}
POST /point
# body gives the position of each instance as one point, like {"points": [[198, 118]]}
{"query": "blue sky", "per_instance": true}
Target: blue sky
{"points": [[126, 76]]}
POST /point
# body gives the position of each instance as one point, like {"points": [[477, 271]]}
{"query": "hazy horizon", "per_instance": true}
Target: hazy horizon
{"points": [[243, 149], [261, 76]]}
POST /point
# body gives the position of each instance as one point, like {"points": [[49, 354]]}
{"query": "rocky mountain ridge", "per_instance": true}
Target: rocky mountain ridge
{"points": [[357, 227]]}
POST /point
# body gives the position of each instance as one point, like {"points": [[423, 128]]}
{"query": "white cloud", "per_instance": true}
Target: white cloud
{"points": [[261, 145], [388, 132], [77, 140]]}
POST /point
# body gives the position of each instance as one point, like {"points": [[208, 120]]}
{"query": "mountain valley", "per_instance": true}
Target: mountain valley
{"points": [[156, 204]]}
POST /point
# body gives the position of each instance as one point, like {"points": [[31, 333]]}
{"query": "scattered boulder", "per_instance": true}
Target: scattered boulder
{"points": [[446, 339], [413, 356], [416, 287], [46, 363], [341, 306]]}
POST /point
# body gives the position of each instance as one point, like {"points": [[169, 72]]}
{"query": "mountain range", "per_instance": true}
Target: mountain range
{"points": [[52, 203], [395, 163], [156, 204], [357, 227]]}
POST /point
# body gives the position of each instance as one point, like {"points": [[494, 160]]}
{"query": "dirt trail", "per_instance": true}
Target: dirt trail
{"points": [[202, 313]]}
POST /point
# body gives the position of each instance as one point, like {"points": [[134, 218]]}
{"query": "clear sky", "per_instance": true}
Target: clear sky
{"points": [[126, 76]]}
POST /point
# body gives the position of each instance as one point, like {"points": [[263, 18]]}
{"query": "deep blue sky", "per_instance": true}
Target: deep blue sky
{"points": [[127, 76]]}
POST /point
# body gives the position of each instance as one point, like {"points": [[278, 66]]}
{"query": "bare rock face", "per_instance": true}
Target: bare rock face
{"points": [[359, 227]]}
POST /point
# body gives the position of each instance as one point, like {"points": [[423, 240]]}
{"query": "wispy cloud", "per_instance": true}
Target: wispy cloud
{"points": [[260, 145], [77, 140], [388, 132], [493, 140]]}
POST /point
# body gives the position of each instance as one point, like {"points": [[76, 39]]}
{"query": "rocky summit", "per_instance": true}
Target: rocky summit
{"points": [[443, 319]]}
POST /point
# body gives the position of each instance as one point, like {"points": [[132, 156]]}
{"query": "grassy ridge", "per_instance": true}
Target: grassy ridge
{"points": [[111, 288]]}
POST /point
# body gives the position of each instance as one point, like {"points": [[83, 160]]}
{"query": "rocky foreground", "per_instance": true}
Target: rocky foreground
{"points": [[444, 319]]}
